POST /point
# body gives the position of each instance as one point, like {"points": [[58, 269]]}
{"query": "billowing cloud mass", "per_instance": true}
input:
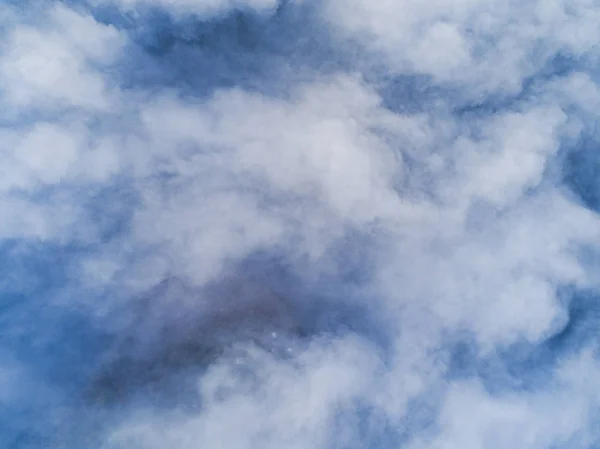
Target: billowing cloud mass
{"points": [[246, 224]]}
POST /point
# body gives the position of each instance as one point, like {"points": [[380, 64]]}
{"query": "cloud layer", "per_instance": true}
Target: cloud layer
{"points": [[260, 224]]}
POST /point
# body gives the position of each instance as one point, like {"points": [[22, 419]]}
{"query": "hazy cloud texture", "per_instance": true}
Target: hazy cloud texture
{"points": [[327, 224]]}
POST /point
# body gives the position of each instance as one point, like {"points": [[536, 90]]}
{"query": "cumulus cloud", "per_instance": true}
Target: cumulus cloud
{"points": [[481, 47], [251, 224], [53, 61]]}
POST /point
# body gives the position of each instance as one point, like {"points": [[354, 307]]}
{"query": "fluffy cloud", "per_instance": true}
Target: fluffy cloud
{"points": [[481, 47], [51, 62], [386, 236]]}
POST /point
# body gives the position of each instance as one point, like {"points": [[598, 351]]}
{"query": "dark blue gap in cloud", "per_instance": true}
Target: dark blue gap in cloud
{"points": [[54, 348], [160, 371], [238, 49], [582, 171], [54, 343], [63, 339]]}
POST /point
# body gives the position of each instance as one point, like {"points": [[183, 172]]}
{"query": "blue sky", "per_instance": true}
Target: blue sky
{"points": [[315, 224]]}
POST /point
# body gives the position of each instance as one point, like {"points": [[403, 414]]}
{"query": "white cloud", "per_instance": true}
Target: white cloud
{"points": [[50, 66], [470, 231], [485, 47], [511, 157], [320, 159]]}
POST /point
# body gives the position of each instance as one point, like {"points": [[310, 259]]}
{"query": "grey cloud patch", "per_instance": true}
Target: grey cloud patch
{"points": [[302, 224]]}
